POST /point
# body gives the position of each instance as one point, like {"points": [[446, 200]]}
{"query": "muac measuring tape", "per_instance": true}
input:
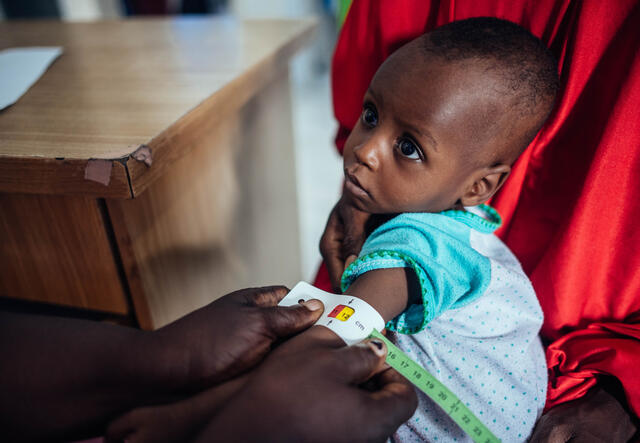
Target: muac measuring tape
{"points": [[355, 320]]}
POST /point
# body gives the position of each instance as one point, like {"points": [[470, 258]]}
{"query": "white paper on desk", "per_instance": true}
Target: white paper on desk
{"points": [[22, 67]]}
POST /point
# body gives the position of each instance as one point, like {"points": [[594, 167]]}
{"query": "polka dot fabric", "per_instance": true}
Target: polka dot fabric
{"points": [[487, 351]]}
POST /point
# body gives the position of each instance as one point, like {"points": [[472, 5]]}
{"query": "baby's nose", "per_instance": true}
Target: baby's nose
{"points": [[368, 155]]}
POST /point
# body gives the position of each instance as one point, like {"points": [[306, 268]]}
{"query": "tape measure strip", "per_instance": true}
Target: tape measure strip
{"points": [[352, 319], [437, 392]]}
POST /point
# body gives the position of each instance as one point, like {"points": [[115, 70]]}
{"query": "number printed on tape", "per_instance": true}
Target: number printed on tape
{"points": [[437, 391]]}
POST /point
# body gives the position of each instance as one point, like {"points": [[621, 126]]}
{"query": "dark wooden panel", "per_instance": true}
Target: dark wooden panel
{"points": [[56, 249]]}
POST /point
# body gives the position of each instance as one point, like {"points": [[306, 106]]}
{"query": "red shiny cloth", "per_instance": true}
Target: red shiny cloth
{"points": [[570, 207]]}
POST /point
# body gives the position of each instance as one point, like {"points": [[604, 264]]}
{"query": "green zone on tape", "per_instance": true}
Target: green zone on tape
{"points": [[437, 392]]}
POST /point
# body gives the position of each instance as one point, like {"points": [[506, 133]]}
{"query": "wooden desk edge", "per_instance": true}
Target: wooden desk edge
{"points": [[223, 102], [130, 174]]}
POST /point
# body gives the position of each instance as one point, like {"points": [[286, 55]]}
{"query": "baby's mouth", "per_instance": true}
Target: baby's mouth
{"points": [[353, 184]]}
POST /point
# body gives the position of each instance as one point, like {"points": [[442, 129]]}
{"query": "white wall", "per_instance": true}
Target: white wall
{"points": [[272, 8], [318, 166], [89, 10]]}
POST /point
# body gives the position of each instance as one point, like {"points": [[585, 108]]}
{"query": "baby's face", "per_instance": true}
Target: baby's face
{"points": [[420, 136]]}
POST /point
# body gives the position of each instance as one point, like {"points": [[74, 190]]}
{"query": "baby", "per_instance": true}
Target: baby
{"points": [[442, 122]]}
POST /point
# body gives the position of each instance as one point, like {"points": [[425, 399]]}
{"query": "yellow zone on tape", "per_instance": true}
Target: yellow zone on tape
{"points": [[437, 392]]}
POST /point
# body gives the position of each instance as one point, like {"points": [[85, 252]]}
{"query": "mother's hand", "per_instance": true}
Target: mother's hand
{"points": [[598, 417], [232, 334], [343, 238]]}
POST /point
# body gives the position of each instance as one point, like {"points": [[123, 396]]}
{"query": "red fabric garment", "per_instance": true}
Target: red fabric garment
{"points": [[570, 207]]}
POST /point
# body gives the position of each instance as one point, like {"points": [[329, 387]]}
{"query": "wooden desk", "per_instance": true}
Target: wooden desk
{"points": [[150, 170]]}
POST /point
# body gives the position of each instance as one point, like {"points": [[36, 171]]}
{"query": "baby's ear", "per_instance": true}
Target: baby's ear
{"points": [[487, 182]]}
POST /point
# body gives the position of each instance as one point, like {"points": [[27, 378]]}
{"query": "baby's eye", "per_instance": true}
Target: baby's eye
{"points": [[408, 149], [369, 115]]}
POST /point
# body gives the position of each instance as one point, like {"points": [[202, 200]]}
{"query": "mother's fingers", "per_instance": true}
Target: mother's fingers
{"points": [[331, 248]]}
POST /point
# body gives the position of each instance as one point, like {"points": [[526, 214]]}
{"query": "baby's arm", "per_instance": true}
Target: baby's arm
{"points": [[387, 290]]}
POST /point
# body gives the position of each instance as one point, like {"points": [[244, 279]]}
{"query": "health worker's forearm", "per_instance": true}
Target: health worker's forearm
{"points": [[63, 378]]}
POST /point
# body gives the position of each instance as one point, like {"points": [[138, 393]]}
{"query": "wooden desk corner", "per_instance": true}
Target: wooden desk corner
{"points": [[151, 169]]}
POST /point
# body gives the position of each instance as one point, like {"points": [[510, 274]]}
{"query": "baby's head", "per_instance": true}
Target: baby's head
{"points": [[446, 115]]}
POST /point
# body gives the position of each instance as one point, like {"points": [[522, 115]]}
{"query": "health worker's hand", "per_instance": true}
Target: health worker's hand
{"points": [[342, 239], [176, 422], [232, 334], [313, 395], [598, 417]]}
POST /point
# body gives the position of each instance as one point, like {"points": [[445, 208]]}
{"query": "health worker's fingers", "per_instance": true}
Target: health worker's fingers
{"points": [[285, 321], [359, 362], [391, 383], [395, 400], [121, 428], [266, 296]]}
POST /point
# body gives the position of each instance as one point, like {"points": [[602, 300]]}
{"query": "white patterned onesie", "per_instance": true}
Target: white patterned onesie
{"points": [[476, 327]]}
